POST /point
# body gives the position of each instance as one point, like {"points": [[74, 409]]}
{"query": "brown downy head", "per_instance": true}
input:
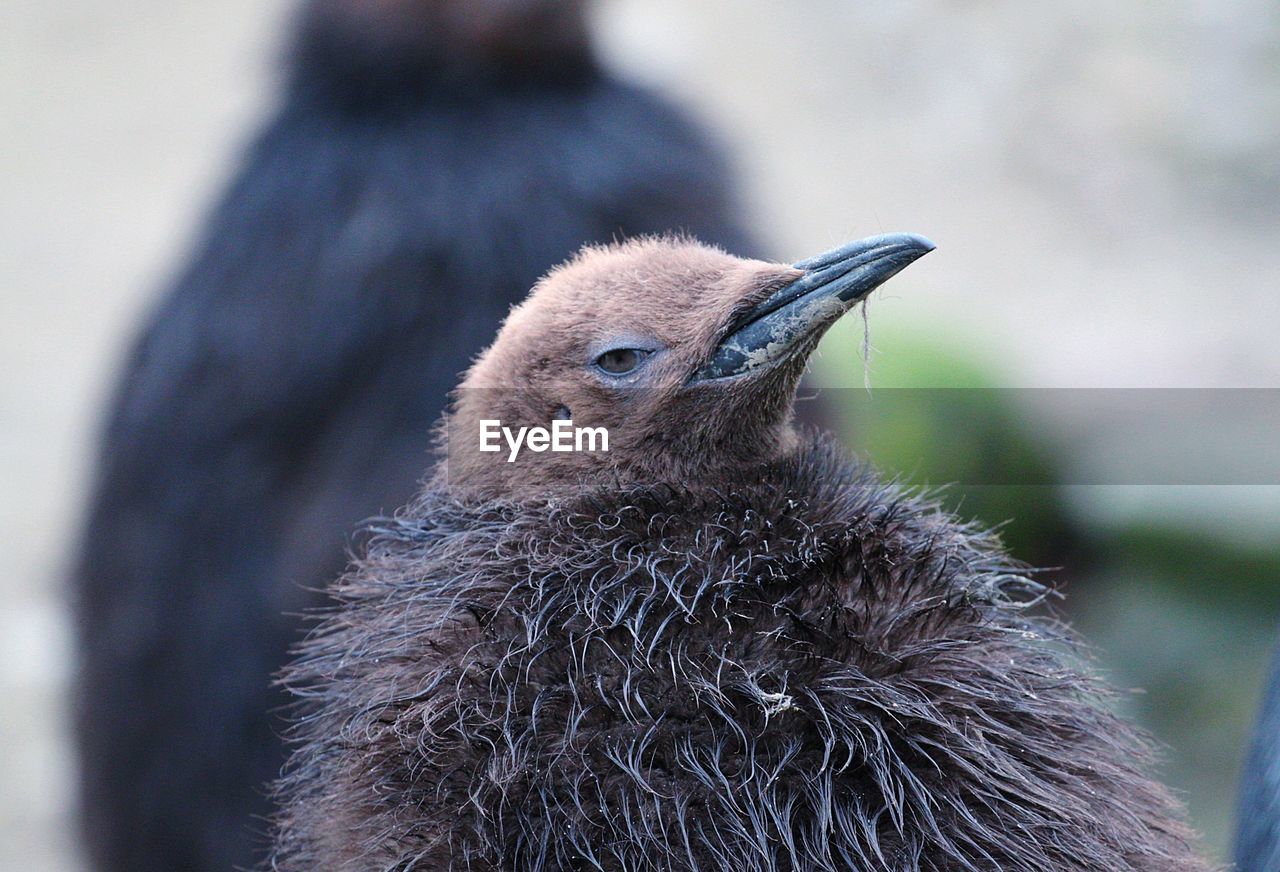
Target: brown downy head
{"points": [[687, 357]]}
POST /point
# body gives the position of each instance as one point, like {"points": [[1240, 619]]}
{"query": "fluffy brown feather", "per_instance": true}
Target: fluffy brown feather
{"points": [[652, 665]]}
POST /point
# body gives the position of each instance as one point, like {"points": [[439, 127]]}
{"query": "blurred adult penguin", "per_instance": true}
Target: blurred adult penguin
{"points": [[1257, 847], [428, 160]]}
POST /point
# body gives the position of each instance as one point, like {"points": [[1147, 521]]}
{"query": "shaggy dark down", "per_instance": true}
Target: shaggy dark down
{"points": [[721, 645], [1257, 847], [428, 161], [810, 670]]}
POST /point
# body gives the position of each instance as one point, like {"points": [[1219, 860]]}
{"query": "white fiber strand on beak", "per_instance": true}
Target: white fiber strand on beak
{"points": [[866, 345]]}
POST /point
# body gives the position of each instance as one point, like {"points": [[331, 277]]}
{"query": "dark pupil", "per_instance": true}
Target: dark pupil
{"points": [[619, 360]]}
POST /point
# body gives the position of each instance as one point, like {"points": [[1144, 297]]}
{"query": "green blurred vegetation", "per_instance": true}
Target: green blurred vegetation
{"points": [[1182, 616]]}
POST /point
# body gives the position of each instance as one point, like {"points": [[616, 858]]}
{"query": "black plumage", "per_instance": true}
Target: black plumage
{"points": [[720, 645], [427, 162], [1257, 842]]}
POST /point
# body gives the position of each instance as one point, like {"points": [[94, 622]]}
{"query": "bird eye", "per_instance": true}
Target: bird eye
{"points": [[620, 361]]}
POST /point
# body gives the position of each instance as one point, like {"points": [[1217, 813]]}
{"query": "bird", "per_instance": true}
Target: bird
{"points": [[1257, 837], [425, 162], [713, 640]]}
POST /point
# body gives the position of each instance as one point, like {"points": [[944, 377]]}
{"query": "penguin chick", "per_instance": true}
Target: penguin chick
{"points": [[720, 645]]}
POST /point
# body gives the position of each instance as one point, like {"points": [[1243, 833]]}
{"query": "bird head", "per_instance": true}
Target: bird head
{"points": [[688, 357]]}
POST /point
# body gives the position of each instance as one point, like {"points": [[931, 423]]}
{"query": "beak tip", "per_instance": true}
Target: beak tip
{"points": [[909, 243], [912, 243]]}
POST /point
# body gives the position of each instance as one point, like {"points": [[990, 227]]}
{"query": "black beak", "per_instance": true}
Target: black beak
{"points": [[801, 311]]}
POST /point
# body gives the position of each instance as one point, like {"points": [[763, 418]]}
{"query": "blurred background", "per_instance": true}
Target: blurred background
{"points": [[1103, 183]]}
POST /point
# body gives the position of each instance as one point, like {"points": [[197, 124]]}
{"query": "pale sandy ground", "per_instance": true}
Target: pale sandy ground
{"points": [[1101, 178]]}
